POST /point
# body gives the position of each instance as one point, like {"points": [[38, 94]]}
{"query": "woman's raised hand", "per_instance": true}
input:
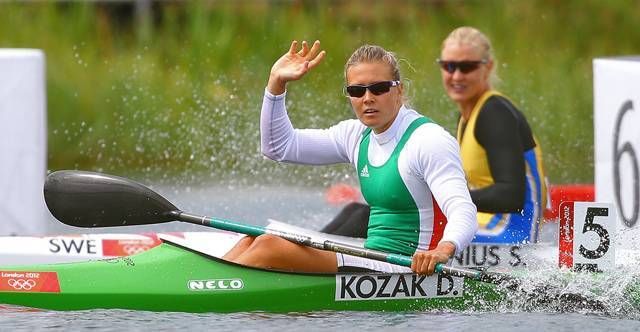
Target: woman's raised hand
{"points": [[294, 65]]}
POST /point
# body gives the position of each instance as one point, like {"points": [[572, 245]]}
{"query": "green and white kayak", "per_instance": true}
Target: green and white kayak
{"points": [[170, 277]]}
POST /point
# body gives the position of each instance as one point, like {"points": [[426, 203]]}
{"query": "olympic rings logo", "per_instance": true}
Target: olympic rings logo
{"points": [[22, 284]]}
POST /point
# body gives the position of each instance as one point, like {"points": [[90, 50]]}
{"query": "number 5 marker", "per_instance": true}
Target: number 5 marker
{"points": [[586, 235]]}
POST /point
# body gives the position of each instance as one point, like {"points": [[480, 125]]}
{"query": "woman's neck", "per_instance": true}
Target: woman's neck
{"points": [[466, 107]]}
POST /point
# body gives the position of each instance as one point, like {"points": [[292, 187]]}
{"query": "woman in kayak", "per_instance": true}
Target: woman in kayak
{"points": [[501, 158], [409, 169]]}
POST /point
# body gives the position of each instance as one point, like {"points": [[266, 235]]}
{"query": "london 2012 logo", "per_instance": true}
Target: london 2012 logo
{"points": [[29, 281]]}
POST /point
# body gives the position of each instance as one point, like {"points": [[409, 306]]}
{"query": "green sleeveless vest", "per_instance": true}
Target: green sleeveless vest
{"points": [[394, 220]]}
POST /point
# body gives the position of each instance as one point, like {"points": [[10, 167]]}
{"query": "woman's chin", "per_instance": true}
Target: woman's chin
{"points": [[458, 97], [368, 120]]}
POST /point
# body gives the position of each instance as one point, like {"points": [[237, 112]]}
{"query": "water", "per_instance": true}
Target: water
{"points": [[123, 320], [306, 206]]}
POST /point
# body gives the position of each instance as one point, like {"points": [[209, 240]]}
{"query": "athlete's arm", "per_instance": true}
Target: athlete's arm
{"points": [[498, 131], [438, 163], [281, 142]]}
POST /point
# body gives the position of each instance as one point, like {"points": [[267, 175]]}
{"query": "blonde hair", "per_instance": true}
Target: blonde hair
{"points": [[373, 53], [472, 36]]}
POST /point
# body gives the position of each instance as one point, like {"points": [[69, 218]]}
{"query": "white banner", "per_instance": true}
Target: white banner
{"points": [[617, 141], [23, 142]]}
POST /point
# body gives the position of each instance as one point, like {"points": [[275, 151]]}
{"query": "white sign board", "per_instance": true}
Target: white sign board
{"points": [[585, 236], [617, 141], [23, 142]]}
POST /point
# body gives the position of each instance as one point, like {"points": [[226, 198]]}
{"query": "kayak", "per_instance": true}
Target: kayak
{"points": [[179, 277], [170, 277]]}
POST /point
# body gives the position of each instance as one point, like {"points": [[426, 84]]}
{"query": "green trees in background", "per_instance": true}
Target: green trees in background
{"points": [[174, 92]]}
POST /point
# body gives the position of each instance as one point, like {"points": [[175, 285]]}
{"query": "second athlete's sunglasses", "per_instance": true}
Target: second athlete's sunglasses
{"points": [[377, 89], [465, 67]]}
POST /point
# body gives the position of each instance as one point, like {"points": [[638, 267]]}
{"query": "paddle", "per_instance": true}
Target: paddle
{"points": [[88, 199]]}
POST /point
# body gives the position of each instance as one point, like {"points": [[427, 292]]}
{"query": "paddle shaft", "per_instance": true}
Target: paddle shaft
{"points": [[322, 245]]}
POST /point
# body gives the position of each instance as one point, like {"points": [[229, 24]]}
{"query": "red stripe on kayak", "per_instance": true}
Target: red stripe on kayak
{"points": [[29, 281], [565, 238], [439, 223]]}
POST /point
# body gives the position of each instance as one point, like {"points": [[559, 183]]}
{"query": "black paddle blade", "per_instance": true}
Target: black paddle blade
{"points": [[88, 199]]}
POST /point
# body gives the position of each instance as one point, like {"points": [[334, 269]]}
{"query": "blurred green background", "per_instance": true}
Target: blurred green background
{"points": [[172, 91]]}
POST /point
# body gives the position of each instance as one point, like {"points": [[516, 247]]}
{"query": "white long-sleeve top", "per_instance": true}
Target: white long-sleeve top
{"points": [[429, 164]]}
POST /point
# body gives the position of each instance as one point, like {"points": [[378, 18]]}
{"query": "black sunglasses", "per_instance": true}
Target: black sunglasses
{"points": [[377, 89], [465, 67]]}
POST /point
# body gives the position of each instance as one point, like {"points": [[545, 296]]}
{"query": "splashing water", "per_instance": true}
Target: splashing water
{"points": [[546, 289]]}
